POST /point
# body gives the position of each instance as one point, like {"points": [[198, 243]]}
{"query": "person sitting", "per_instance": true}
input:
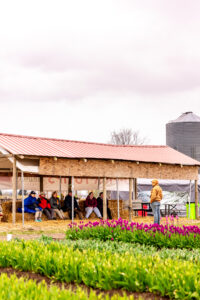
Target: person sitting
{"points": [[31, 206], [91, 205], [44, 203], [68, 206], [56, 207], [100, 206]]}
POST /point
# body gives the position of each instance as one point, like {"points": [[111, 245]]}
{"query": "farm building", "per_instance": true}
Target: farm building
{"points": [[25, 156]]}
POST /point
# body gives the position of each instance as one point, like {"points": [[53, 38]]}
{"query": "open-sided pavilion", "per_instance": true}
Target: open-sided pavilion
{"points": [[36, 156]]}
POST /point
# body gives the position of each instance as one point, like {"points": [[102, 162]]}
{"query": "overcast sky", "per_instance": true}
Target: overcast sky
{"points": [[80, 69]]}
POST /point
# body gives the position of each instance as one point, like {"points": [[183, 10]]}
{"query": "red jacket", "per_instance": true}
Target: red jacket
{"points": [[44, 203], [91, 202]]}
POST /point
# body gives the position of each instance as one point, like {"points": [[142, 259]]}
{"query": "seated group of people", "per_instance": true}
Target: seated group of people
{"points": [[52, 207], [96, 205]]}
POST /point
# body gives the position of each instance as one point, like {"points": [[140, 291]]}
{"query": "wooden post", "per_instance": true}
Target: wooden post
{"points": [[130, 198], [190, 197], [22, 183], [99, 184], [70, 185], [14, 194], [117, 185], [60, 187], [16, 183], [72, 190], [41, 184], [104, 200], [196, 199], [135, 188]]}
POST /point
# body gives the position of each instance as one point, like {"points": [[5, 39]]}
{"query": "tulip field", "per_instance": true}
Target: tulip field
{"points": [[161, 260], [168, 236]]}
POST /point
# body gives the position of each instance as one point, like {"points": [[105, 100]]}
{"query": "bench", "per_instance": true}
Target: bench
{"points": [[148, 209], [137, 207]]}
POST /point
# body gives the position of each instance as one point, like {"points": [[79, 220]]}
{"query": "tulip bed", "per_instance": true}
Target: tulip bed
{"points": [[13, 288], [174, 275], [168, 236]]}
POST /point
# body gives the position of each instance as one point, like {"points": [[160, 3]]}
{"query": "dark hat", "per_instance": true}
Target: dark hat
{"points": [[32, 192]]}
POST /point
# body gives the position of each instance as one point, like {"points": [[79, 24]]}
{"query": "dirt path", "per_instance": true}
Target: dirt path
{"points": [[56, 236], [38, 278]]}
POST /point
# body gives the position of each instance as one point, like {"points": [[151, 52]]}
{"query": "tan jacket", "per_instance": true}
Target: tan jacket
{"points": [[156, 194]]}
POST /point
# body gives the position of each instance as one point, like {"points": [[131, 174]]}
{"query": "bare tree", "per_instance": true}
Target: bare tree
{"points": [[127, 136]]}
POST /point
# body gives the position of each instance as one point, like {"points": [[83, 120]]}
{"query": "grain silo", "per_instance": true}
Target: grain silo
{"points": [[183, 134]]}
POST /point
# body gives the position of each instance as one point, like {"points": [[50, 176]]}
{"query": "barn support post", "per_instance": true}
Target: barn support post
{"points": [[196, 200], [99, 184], [22, 183], [117, 186], [70, 185], [104, 199], [60, 187], [130, 198], [72, 190], [16, 182], [41, 184], [14, 187], [190, 197], [135, 189]]}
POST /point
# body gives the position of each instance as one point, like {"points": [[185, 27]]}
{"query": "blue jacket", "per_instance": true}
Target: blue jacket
{"points": [[30, 201]]}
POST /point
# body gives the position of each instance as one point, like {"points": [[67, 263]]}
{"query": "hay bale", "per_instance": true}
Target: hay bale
{"points": [[7, 213], [112, 204]]}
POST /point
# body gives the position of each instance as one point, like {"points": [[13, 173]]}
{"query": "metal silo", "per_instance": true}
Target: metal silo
{"points": [[183, 134]]}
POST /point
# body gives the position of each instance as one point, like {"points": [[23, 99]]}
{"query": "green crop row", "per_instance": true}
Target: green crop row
{"points": [[13, 288], [132, 248], [105, 269]]}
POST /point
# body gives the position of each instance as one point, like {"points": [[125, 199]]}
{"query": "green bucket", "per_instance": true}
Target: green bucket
{"points": [[192, 211]]}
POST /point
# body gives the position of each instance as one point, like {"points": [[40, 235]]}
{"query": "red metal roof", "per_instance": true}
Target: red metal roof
{"points": [[37, 146]]}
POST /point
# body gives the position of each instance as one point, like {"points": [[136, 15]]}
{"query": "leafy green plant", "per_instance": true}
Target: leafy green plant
{"points": [[13, 288], [46, 239], [107, 269], [133, 249]]}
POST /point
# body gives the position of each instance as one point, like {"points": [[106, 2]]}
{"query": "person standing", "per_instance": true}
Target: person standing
{"points": [[156, 197], [91, 206], [56, 207], [68, 206], [100, 206]]}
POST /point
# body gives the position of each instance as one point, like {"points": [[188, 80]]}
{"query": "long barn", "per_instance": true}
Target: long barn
{"points": [[42, 157]]}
